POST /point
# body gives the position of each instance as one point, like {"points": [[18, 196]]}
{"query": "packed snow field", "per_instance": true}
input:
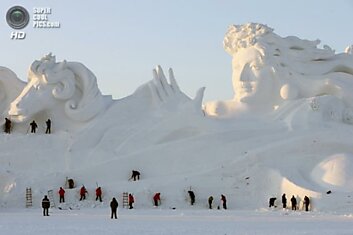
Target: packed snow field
{"points": [[156, 221]]}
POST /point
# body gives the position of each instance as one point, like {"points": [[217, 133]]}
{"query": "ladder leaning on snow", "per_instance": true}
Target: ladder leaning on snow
{"points": [[51, 198], [28, 197], [125, 200]]}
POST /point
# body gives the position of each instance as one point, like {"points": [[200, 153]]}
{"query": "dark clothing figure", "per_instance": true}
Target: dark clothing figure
{"points": [[284, 200], [135, 175], [293, 201], [131, 200], [71, 183], [210, 200], [157, 199], [45, 206], [306, 203], [272, 202], [33, 126], [192, 197], [48, 131], [114, 206], [61, 194], [224, 201], [7, 126], [99, 194], [83, 192]]}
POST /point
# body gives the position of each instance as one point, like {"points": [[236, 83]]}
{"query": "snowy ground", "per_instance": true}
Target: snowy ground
{"points": [[156, 221]]}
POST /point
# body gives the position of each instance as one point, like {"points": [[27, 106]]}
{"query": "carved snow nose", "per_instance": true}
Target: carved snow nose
{"points": [[244, 75]]}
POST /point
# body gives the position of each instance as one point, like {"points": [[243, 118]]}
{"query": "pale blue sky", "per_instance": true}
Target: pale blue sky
{"points": [[122, 41]]}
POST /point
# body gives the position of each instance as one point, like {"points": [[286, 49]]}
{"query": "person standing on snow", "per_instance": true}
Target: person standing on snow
{"points": [[272, 202], [192, 197], [293, 201], [131, 200], [99, 194], [48, 130], [45, 206], [224, 201], [114, 207], [284, 200], [61, 195], [83, 192], [157, 199], [34, 126], [210, 200], [306, 203], [7, 128]]}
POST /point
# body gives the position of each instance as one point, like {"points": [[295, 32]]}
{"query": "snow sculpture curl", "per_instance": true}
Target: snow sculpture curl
{"points": [[269, 70], [50, 84]]}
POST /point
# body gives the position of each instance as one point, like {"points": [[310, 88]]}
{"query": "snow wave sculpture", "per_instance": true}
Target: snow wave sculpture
{"points": [[65, 89], [10, 88], [269, 70]]}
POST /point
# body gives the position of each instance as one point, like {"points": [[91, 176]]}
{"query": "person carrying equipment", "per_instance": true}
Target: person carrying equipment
{"points": [[99, 194]]}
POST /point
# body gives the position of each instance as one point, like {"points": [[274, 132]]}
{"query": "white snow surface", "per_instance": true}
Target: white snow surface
{"points": [[274, 137], [155, 221]]}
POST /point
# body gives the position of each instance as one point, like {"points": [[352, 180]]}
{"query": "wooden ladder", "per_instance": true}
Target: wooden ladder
{"points": [[125, 199], [28, 197]]}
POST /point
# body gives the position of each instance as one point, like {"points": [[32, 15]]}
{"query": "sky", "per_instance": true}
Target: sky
{"points": [[122, 41]]}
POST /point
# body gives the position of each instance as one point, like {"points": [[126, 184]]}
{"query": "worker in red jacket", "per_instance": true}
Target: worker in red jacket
{"points": [[83, 192], [157, 199], [62, 194], [99, 194], [131, 200]]}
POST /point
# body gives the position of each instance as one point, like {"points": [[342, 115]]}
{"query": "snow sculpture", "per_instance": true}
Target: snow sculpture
{"points": [[269, 71], [65, 89], [10, 88], [168, 96]]}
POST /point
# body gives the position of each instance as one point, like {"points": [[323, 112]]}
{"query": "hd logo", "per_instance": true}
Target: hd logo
{"points": [[17, 17]]}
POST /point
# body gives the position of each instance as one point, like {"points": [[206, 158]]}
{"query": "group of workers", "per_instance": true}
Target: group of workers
{"points": [[33, 125], [293, 200]]}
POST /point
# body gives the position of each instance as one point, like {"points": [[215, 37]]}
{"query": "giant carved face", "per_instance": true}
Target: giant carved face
{"points": [[253, 79]]}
